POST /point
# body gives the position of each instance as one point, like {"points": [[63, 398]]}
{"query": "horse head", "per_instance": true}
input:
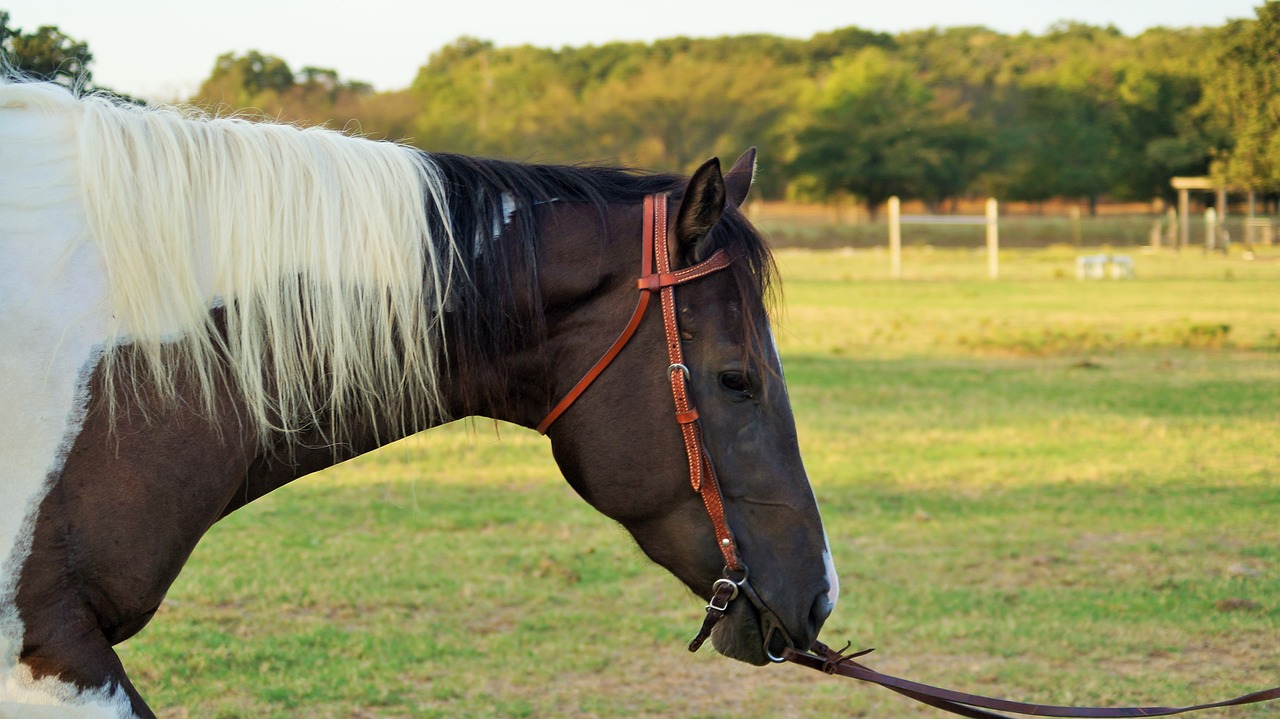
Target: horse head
{"points": [[621, 447]]}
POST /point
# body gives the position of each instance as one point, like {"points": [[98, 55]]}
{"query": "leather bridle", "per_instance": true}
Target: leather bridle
{"points": [[663, 281], [656, 277]]}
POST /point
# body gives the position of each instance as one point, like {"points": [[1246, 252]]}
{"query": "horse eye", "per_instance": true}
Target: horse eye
{"points": [[736, 382]]}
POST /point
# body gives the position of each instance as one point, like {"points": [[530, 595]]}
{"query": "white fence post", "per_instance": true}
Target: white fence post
{"points": [[1210, 228], [1184, 219], [993, 239], [895, 238], [991, 219], [1250, 226]]}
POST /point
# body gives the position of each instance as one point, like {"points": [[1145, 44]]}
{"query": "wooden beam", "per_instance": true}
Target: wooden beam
{"points": [[1193, 183]]}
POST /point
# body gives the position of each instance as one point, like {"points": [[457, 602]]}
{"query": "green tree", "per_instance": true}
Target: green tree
{"points": [[672, 114], [1090, 118], [46, 54], [1071, 128], [252, 80], [509, 102], [267, 85], [1244, 96], [1167, 122], [875, 130], [824, 47]]}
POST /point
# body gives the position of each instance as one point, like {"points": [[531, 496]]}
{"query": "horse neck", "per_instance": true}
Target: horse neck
{"points": [[506, 349], [586, 263]]}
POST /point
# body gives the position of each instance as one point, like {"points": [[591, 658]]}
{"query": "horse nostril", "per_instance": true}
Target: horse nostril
{"points": [[818, 614]]}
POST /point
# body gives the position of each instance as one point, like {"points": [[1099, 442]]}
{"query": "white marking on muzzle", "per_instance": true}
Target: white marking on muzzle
{"points": [[833, 579]]}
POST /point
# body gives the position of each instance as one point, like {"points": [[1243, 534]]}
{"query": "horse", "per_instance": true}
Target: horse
{"points": [[195, 311]]}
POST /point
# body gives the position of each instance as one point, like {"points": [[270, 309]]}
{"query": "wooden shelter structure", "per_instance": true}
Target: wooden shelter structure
{"points": [[1216, 235]]}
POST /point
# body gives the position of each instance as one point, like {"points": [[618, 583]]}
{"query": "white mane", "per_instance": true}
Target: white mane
{"points": [[316, 246]]}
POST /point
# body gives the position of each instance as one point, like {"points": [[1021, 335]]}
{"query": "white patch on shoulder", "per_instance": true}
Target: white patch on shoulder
{"points": [[23, 697], [53, 325]]}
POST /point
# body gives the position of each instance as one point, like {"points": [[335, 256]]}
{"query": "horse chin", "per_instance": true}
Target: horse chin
{"points": [[738, 636]]}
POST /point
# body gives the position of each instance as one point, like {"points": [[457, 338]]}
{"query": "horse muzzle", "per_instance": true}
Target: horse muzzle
{"points": [[752, 632]]}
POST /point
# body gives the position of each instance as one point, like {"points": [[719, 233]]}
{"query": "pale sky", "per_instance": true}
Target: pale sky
{"points": [[162, 49]]}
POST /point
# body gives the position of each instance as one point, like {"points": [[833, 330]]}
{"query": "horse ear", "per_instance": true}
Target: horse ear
{"points": [[737, 181], [700, 210]]}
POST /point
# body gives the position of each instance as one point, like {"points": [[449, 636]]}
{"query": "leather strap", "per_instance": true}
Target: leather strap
{"points": [[824, 659], [701, 473], [663, 281], [725, 591]]}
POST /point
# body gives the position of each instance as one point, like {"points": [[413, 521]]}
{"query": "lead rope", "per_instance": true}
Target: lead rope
{"points": [[825, 659]]}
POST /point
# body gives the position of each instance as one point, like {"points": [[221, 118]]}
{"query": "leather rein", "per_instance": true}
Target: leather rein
{"points": [[662, 281], [824, 659]]}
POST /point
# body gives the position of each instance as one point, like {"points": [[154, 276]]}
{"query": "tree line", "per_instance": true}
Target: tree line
{"points": [[1079, 112]]}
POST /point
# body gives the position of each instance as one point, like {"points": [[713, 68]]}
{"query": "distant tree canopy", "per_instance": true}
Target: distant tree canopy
{"points": [[1245, 101], [873, 129], [45, 54], [265, 84], [1079, 112]]}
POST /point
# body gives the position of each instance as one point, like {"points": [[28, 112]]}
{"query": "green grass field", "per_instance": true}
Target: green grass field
{"points": [[1044, 489]]}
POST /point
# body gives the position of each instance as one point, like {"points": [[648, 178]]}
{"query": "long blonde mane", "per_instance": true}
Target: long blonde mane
{"points": [[316, 246]]}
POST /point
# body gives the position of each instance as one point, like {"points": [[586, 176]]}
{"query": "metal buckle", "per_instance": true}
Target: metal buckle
{"points": [[734, 585], [682, 368], [715, 592]]}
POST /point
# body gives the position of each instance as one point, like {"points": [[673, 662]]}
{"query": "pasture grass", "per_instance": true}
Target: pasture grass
{"points": [[1040, 488]]}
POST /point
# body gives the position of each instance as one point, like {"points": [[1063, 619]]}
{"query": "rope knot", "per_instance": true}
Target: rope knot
{"points": [[832, 659]]}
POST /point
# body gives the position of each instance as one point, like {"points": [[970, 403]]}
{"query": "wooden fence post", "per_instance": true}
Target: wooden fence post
{"points": [[993, 239], [1210, 229], [1184, 219], [895, 238]]}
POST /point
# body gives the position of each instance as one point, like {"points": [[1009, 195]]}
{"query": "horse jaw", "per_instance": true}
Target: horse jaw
{"points": [[738, 635]]}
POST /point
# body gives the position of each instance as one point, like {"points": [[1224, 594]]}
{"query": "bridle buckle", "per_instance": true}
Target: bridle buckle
{"points": [[732, 588]]}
